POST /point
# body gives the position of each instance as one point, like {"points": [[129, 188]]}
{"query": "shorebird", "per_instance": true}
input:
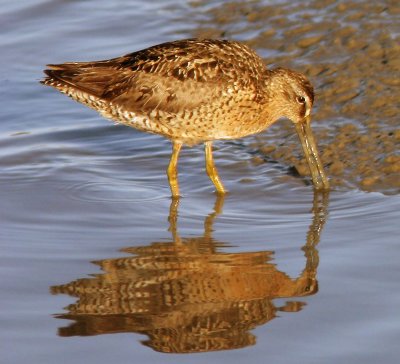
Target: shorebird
{"points": [[194, 91]]}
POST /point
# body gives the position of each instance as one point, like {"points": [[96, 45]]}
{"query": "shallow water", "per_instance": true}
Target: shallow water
{"points": [[98, 265]]}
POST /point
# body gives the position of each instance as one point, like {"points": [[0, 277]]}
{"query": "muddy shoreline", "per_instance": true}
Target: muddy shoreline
{"points": [[351, 53]]}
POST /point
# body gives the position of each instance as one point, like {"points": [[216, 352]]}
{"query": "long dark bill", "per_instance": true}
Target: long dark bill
{"points": [[306, 136]]}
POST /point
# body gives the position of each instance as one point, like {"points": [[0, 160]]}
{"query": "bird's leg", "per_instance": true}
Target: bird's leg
{"points": [[211, 170], [172, 170]]}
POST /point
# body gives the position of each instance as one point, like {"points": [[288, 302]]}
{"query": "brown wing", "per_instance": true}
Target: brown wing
{"points": [[166, 76]]}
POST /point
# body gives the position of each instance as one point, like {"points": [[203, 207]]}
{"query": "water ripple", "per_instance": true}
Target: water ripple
{"points": [[117, 191]]}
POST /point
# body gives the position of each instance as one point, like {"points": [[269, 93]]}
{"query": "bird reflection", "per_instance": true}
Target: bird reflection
{"points": [[188, 295]]}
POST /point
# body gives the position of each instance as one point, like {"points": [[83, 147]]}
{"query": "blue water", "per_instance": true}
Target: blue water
{"points": [[78, 192]]}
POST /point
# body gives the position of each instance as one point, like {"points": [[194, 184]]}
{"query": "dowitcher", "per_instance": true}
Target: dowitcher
{"points": [[194, 91]]}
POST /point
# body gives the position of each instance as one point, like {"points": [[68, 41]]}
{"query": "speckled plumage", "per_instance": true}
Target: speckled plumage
{"points": [[190, 91]]}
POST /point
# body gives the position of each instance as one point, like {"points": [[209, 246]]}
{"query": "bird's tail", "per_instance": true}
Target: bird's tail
{"points": [[90, 83], [92, 78]]}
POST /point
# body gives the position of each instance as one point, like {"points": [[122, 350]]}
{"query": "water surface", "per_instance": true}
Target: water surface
{"points": [[97, 263]]}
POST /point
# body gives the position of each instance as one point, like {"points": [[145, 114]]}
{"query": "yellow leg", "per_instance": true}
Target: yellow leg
{"points": [[172, 170], [211, 170]]}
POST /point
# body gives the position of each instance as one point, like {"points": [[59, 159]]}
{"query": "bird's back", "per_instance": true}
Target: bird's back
{"points": [[192, 90]]}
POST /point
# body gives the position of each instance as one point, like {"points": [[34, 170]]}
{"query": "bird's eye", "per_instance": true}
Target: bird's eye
{"points": [[301, 100]]}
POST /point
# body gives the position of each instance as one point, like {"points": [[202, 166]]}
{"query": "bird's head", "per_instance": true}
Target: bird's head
{"points": [[292, 96]]}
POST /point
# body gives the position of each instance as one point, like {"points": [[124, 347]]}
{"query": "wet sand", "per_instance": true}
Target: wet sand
{"points": [[351, 53]]}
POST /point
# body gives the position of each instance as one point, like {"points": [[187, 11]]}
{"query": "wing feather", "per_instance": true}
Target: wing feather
{"points": [[173, 76]]}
